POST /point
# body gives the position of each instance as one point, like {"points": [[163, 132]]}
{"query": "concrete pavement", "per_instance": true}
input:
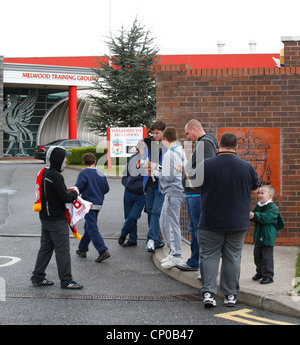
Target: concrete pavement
{"points": [[277, 297]]}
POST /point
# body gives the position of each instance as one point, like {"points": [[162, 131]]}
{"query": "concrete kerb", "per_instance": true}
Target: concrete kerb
{"points": [[280, 303]]}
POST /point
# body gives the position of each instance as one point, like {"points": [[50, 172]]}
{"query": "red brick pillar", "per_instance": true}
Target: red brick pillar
{"points": [[291, 51]]}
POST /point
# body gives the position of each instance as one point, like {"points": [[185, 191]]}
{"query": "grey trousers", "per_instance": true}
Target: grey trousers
{"points": [[264, 260], [170, 225], [55, 237], [215, 246]]}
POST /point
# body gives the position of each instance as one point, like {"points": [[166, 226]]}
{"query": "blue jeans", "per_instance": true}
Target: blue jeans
{"points": [[193, 204], [133, 207], [154, 201], [91, 233]]}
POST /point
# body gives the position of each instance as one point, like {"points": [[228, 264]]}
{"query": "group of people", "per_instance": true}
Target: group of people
{"points": [[217, 187]]}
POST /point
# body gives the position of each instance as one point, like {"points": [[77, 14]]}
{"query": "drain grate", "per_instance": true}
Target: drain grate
{"points": [[108, 298]]}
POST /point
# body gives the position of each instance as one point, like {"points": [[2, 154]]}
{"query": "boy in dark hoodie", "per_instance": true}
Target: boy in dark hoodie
{"points": [[55, 229]]}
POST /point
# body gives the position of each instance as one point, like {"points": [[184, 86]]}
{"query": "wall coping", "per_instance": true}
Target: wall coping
{"points": [[290, 38], [190, 71]]}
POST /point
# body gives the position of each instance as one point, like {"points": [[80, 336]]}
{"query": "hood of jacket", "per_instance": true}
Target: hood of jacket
{"points": [[55, 158]]}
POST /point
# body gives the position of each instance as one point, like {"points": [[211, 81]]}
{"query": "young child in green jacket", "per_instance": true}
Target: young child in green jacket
{"points": [[267, 221]]}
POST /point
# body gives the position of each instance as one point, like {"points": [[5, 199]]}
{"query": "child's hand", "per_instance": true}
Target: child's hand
{"points": [[73, 188], [179, 167], [251, 215]]}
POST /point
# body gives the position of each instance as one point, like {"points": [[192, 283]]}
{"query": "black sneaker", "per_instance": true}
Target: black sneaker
{"points": [[257, 277], [121, 240], [81, 254], [129, 244], [72, 286], [103, 256], [266, 280], [44, 282]]}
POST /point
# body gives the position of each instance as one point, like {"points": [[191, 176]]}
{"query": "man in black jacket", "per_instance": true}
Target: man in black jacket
{"points": [[55, 229]]}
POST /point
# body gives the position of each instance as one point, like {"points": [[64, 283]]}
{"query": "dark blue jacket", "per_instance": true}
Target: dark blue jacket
{"points": [[226, 193], [92, 185], [133, 175]]}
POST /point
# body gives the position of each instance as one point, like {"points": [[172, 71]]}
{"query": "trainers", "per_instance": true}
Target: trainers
{"points": [[230, 300], [159, 245], [44, 282], [167, 258], [129, 244], [150, 246], [72, 286], [103, 256], [186, 267], [81, 254], [121, 240], [257, 276], [209, 300], [172, 262]]}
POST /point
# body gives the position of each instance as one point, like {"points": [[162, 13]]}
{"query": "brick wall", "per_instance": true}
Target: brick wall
{"points": [[291, 51], [246, 98]]}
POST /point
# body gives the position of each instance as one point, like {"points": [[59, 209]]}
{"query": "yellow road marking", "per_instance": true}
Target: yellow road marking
{"points": [[240, 315]]}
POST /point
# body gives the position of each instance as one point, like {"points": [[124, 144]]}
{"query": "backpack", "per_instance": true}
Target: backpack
{"points": [[280, 222]]}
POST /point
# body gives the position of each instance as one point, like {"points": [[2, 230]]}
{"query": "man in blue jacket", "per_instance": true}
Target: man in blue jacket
{"points": [[224, 220]]}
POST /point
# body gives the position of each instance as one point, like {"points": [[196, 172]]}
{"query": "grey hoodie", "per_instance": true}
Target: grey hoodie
{"points": [[169, 176]]}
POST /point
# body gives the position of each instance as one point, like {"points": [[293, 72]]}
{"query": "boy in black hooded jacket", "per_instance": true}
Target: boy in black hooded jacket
{"points": [[55, 229]]}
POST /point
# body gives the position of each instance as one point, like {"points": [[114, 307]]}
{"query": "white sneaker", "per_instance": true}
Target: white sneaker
{"points": [[167, 258], [209, 300], [230, 301], [150, 246], [172, 262]]}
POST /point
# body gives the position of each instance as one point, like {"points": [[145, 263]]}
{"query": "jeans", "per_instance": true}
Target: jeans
{"points": [[133, 207], [91, 233], [193, 204], [154, 201]]}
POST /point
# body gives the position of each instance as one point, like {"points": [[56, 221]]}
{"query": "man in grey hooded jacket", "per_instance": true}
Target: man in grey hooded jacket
{"points": [[170, 185]]}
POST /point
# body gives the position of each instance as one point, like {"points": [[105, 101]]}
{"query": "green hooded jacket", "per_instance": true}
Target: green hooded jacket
{"points": [[267, 222]]}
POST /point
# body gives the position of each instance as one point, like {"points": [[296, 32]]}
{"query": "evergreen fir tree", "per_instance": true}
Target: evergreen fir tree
{"points": [[126, 85]]}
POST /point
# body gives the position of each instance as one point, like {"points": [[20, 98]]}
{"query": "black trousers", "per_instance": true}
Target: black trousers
{"points": [[55, 237], [263, 259]]}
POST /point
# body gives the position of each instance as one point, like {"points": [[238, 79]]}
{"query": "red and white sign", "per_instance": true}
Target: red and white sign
{"points": [[122, 141], [48, 78]]}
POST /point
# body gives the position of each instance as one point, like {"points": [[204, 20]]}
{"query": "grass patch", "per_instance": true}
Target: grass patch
{"points": [[298, 266]]}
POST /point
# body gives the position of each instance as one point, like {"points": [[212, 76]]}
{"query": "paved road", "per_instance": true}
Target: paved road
{"points": [[126, 289]]}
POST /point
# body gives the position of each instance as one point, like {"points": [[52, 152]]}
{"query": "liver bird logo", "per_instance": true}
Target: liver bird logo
{"points": [[17, 115]]}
